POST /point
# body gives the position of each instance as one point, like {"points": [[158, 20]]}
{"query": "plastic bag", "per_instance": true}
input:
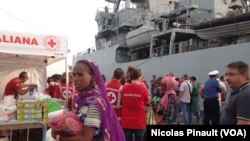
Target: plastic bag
{"points": [[151, 117], [67, 124]]}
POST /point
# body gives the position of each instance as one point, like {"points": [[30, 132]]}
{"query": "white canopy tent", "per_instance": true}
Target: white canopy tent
{"points": [[32, 53]]}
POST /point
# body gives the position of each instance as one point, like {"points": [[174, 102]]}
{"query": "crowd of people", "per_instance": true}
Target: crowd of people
{"points": [[213, 102], [116, 110], [57, 89]]}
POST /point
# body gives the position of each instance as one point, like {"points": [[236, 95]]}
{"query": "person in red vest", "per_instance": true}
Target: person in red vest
{"points": [[114, 91], [54, 89], [135, 97], [16, 86], [51, 84], [72, 94]]}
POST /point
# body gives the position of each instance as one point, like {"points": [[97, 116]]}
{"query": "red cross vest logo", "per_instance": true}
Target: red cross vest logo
{"points": [[51, 43], [112, 96]]}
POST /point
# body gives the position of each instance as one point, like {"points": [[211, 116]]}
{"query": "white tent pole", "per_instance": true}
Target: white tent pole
{"points": [[67, 80]]}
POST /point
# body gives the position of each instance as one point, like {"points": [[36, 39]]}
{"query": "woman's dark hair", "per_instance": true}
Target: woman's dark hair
{"points": [[56, 77], [133, 73], [63, 79], [123, 80], [49, 79], [118, 73]]}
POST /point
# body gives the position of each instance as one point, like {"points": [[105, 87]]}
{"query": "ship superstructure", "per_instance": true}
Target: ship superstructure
{"points": [[160, 36]]}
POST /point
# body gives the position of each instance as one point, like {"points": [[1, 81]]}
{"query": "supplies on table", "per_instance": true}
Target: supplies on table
{"points": [[37, 110], [7, 110], [52, 105], [29, 110], [34, 96], [41, 96]]}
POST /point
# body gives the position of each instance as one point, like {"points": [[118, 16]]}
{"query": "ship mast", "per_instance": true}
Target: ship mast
{"points": [[117, 4]]}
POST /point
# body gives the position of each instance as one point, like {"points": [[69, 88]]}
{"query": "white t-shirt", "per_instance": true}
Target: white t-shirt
{"points": [[186, 87]]}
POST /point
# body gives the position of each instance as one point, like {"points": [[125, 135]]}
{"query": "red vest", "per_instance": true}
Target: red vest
{"points": [[72, 95], [12, 87], [114, 96]]}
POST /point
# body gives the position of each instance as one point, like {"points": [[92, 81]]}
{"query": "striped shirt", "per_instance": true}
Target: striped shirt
{"points": [[90, 116]]}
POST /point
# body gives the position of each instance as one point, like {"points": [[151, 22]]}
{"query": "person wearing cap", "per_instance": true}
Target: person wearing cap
{"points": [[16, 86], [212, 89], [237, 110]]}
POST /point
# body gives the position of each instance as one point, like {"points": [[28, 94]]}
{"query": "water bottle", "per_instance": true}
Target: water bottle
{"points": [[33, 90]]}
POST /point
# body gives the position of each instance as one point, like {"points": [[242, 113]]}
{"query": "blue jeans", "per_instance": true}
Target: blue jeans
{"points": [[134, 134], [185, 112]]}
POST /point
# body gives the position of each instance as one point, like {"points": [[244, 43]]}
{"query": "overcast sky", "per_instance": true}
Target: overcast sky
{"points": [[72, 18]]}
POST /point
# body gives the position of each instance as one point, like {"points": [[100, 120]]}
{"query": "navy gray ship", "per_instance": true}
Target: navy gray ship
{"points": [[162, 36]]}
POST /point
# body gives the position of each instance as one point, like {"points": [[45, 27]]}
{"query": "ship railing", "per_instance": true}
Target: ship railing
{"points": [[130, 17], [200, 15], [86, 51], [160, 10], [173, 9], [105, 9]]}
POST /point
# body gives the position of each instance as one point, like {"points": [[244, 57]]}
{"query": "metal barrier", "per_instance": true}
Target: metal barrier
{"points": [[10, 127]]}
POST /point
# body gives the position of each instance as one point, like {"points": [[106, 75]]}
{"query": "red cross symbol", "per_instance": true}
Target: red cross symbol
{"points": [[51, 43], [112, 97]]}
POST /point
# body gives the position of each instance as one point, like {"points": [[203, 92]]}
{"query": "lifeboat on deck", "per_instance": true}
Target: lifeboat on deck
{"points": [[233, 25]]}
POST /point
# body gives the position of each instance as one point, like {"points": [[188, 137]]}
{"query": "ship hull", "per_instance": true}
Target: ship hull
{"points": [[198, 62]]}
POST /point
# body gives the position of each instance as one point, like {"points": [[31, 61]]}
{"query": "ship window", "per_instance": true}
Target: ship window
{"points": [[160, 26], [204, 44], [124, 53], [121, 55], [109, 21], [176, 48], [166, 50], [176, 5], [128, 53]]}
